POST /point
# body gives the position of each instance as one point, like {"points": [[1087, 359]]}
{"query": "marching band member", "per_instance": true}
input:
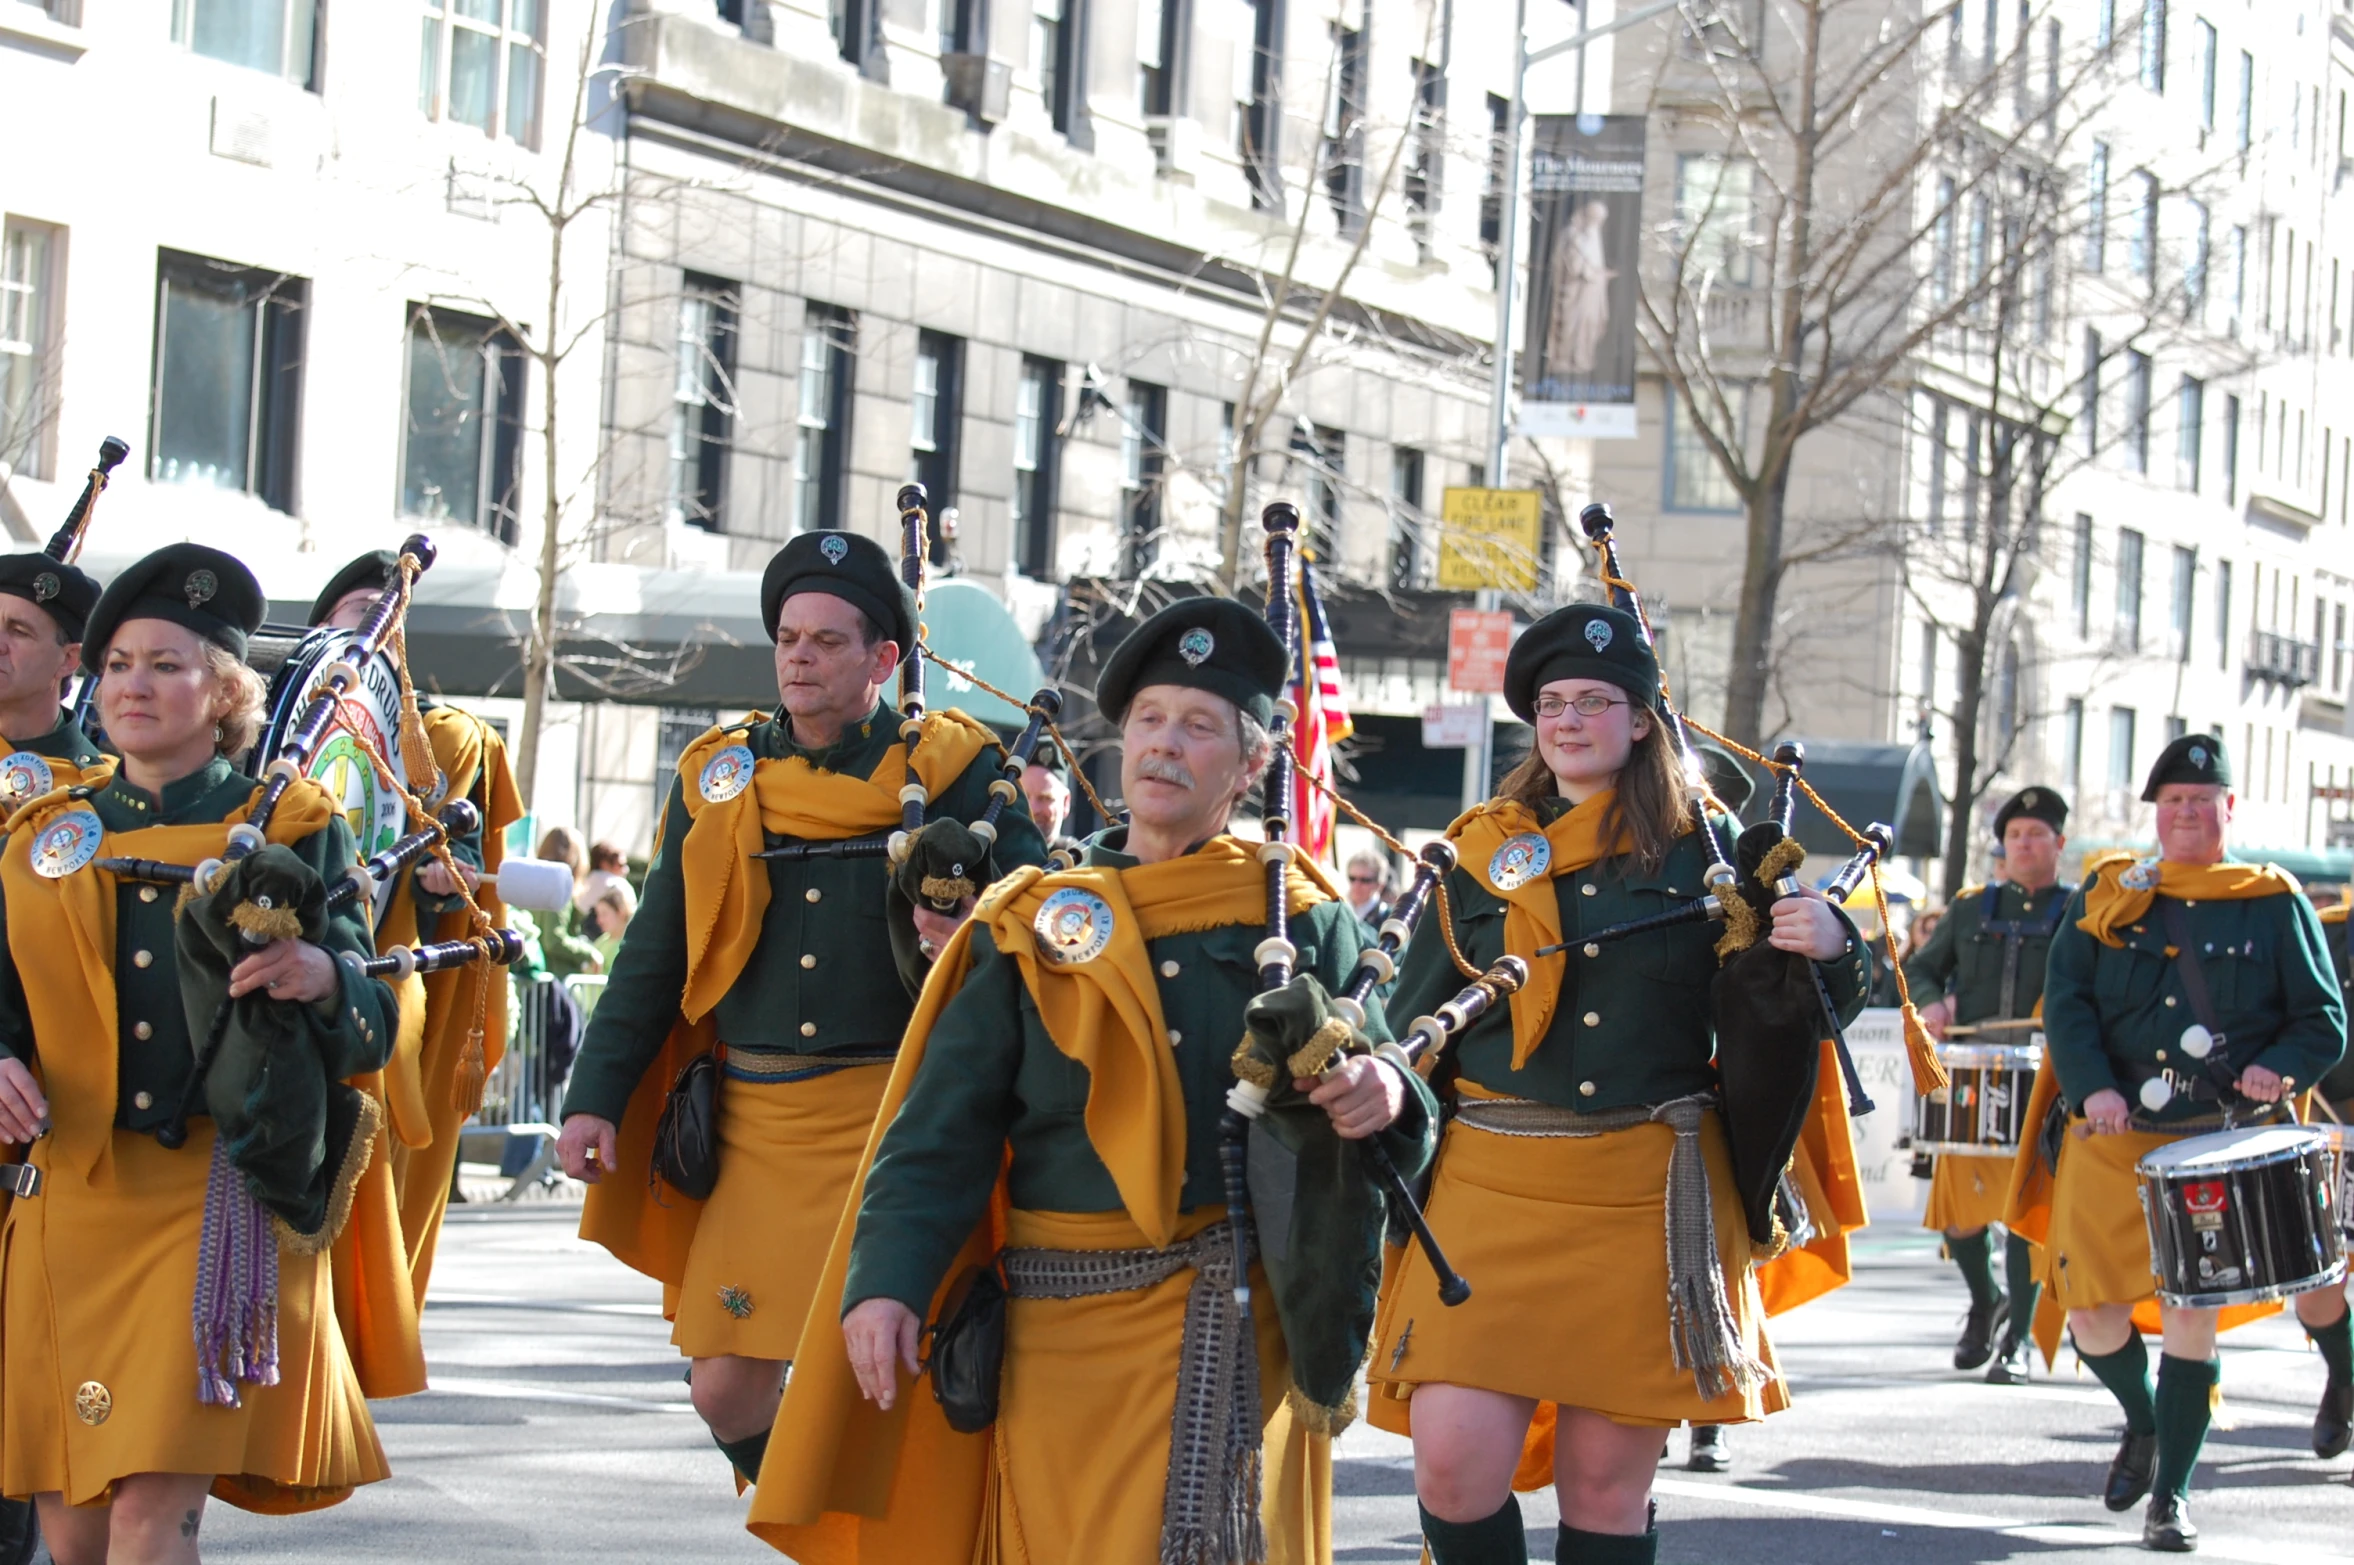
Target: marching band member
{"points": [[784, 964], [1984, 962], [2155, 962], [1080, 1036], [43, 606], [1587, 1126], [109, 1412], [1047, 793], [2322, 1311], [450, 1038]]}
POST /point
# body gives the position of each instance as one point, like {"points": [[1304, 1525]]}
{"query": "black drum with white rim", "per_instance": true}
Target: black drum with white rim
{"points": [[2341, 1182], [2243, 1216], [1982, 1109]]}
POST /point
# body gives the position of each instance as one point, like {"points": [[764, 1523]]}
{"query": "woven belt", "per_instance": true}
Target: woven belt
{"points": [[1701, 1329], [772, 1065], [1210, 1507]]}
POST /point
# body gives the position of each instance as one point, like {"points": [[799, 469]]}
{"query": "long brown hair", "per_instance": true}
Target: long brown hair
{"points": [[1649, 804]]}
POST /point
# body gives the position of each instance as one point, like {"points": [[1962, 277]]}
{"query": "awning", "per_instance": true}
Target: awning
{"points": [[1892, 783]]}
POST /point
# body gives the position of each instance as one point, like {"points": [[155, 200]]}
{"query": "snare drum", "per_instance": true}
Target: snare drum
{"points": [[2341, 1179], [1983, 1106], [2242, 1216]]}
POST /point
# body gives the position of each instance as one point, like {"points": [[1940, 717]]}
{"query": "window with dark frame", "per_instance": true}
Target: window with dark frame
{"points": [[1344, 129], [2190, 421], [228, 377], [1405, 563], [2137, 411], [935, 417], [30, 274], [2207, 64], [481, 63], [2153, 45], [2246, 129], [2089, 393], [1491, 200], [2121, 721], [1426, 152], [2080, 576], [2072, 742], [278, 37], [1321, 463], [2231, 450], [1144, 456], [1262, 123], [2223, 614], [462, 422], [2129, 563], [2186, 587], [702, 401], [855, 27], [1158, 40], [829, 359], [2096, 208], [1038, 414]]}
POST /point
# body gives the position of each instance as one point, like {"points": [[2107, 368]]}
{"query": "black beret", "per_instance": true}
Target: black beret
{"points": [[189, 584], [1213, 644], [1728, 779], [1050, 756], [2194, 758], [2036, 804], [849, 566], [65, 591], [372, 570], [1581, 641]]}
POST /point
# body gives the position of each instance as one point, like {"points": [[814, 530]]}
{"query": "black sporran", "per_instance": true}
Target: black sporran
{"points": [[686, 1137], [968, 1352]]}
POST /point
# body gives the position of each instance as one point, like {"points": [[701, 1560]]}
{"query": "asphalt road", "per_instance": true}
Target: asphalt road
{"points": [[558, 1430]]}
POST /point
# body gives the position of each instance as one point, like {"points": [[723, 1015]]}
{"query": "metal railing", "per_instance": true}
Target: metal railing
{"points": [[2284, 658], [516, 1127]]}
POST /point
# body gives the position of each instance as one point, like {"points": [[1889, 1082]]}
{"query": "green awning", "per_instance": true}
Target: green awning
{"points": [[970, 630]]}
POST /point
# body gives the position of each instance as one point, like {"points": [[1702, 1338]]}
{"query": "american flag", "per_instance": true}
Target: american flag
{"points": [[1323, 722]]}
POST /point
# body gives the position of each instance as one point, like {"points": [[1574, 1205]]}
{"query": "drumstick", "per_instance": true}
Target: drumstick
{"points": [[1972, 1029]]}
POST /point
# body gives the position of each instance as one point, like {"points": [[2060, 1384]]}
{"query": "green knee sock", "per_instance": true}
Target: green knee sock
{"points": [[1492, 1540], [2336, 1342], [2019, 1272], [1975, 1256], [2185, 1401], [745, 1453], [1572, 1547], [2126, 1373]]}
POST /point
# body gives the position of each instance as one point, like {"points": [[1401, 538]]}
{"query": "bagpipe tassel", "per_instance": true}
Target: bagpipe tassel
{"points": [[1921, 1050]]}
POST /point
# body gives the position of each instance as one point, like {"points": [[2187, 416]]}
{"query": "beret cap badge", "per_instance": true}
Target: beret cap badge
{"points": [[836, 550], [1598, 633], [1195, 646], [2199, 756], [200, 588], [46, 586]]}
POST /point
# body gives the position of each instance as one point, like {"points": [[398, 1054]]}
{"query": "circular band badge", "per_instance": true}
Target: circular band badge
{"points": [[24, 775], [726, 774], [1073, 926], [1521, 860], [66, 844], [2141, 877]]}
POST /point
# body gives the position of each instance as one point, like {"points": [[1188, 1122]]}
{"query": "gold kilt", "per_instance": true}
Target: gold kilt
{"points": [[1967, 1192], [96, 1286], [787, 1153], [1563, 1241], [1080, 1460]]}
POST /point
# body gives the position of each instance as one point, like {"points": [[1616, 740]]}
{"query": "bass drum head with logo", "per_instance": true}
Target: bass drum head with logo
{"points": [[2242, 1216], [376, 811]]}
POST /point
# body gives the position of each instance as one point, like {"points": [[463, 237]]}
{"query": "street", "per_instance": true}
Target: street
{"points": [[558, 1430]]}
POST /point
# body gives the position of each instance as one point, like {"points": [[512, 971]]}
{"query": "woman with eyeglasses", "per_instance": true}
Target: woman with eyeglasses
{"points": [[1585, 1120]]}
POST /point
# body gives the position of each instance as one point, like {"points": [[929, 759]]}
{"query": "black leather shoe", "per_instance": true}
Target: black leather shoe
{"points": [[1977, 1342], [2166, 1526], [1711, 1451], [2009, 1367], [2333, 1425], [2129, 1473]]}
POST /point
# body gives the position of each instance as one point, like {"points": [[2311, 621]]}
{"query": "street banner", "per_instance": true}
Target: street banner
{"points": [[1453, 727], [1478, 642], [1577, 360], [1489, 538]]}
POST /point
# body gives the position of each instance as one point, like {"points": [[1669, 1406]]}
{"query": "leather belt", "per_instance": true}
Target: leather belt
{"points": [[19, 1179]]}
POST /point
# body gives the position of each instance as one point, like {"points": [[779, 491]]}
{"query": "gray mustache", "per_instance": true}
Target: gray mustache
{"points": [[1171, 772]]}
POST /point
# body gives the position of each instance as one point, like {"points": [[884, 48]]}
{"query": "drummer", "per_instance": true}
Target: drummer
{"points": [[1984, 964], [43, 606], [2323, 1310], [2156, 963]]}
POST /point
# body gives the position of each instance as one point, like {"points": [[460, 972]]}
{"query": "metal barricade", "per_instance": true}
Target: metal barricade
{"points": [[521, 1103]]}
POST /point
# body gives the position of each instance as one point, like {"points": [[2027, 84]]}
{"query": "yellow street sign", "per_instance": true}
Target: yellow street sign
{"points": [[1488, 538]]}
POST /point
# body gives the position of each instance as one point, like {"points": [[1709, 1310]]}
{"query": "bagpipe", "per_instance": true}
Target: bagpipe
{"points": [[1772, 1011], [66, 542]]}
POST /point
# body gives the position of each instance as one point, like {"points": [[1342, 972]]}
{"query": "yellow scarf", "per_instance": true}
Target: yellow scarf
{"points": [[1106, 1013], [1532, 911], [61, 936], [727, 889], [2110, 904]]}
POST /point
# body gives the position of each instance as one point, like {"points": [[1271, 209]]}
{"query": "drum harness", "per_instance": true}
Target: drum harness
{"points": [[2015, 933]]}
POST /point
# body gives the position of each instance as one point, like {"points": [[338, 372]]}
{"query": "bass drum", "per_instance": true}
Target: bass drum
{"points": [[377, 811]]}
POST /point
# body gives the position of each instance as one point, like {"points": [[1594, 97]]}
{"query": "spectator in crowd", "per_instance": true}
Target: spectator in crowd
{"points": [[1369, 887], [613, 909], [608, 869]]}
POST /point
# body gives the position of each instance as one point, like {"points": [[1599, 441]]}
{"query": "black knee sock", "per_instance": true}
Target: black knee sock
{"points": [[2126, 1373], [2019, 1272], [1975, 1256], [1572, 1547], [1492, 1540], [745, 1453], [2185, 1402], [2336, 1342]]}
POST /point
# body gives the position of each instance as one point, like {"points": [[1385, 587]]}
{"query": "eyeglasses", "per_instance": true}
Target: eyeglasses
{"points": [[1364, 880], [1586, 705]]}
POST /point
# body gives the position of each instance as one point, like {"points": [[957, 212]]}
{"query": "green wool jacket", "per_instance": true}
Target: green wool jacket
{"points": [[821, 977], [65, 742], [1964, 960], [992, 1078], [2112, 1017], [353, 1031], [2338, 1085], [1633, 1024]]}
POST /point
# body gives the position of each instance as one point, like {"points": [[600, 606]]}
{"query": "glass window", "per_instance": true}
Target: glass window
{"points": [[2129, 558], [702, 401], [2096, 208], [1050, 43], [1038, 413], [2153, 44], [1320, 465], [461, 446], [829, 337], [2080, 576], [1696, 481], [1426, 152], [2141, 230], [2190, 419], [2194, 271], [2223, 614], [277, 36], [1153, 53], [2121, 747], [2206, 39], [1715, 207], [2186, 586], [2104, 23], [1344, 128], [1144, 456], [1941, 245], [29, 253], [935, 418], [2089, 393], [2231, 450], [228, 354], [480, 63], [1406, 468], [2247, 107], [2072, 743], [2137, 411]]}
